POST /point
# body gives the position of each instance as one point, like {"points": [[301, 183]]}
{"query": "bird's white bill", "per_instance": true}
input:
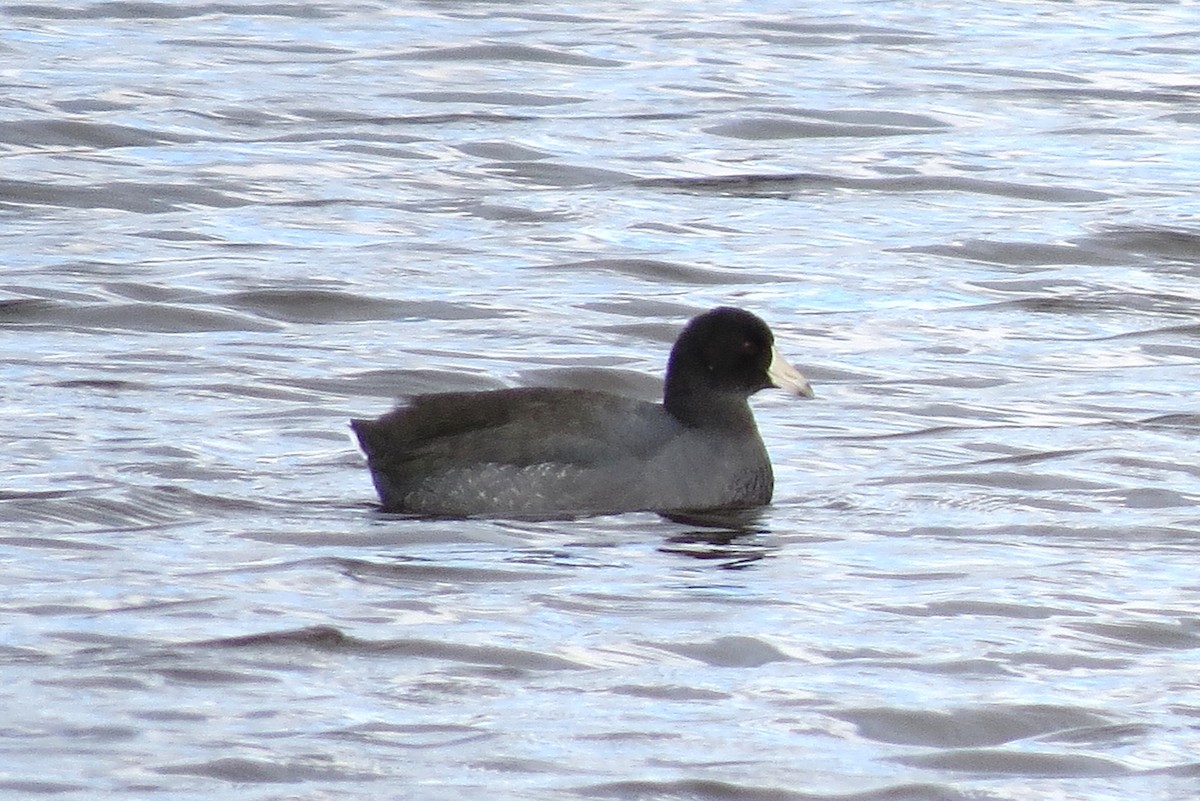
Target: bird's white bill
{"points": [[784, 376]]}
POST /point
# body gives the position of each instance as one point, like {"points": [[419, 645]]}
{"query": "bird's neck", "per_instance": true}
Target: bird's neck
{"points": [[704, 407]]}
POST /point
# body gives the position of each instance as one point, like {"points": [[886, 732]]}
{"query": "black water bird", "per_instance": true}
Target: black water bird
{"points": [[539, 452]]}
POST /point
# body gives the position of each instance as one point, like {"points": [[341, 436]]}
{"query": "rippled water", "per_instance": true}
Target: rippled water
{"points": [[227, 228]]}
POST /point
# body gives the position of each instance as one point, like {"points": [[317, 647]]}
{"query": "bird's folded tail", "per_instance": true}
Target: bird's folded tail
{"points": [[370, 435]]}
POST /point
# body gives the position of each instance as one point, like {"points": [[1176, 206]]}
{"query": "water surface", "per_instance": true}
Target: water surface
{"points": [[227, 228]]}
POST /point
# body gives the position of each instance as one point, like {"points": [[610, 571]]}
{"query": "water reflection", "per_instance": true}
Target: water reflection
{"points": [[735, 521], [735, 538]]}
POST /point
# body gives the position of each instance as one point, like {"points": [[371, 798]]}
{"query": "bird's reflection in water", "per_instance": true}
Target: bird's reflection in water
{"points": [[734, 537]]}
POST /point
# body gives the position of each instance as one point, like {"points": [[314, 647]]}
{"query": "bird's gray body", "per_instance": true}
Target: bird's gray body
{"points": [[539, 452]]}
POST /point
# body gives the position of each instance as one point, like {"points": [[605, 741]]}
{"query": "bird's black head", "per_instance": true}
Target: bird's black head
{"points": [[721, 358]]}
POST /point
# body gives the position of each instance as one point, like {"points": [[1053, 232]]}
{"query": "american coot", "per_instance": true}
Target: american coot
{"points": [[540, 452]]}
